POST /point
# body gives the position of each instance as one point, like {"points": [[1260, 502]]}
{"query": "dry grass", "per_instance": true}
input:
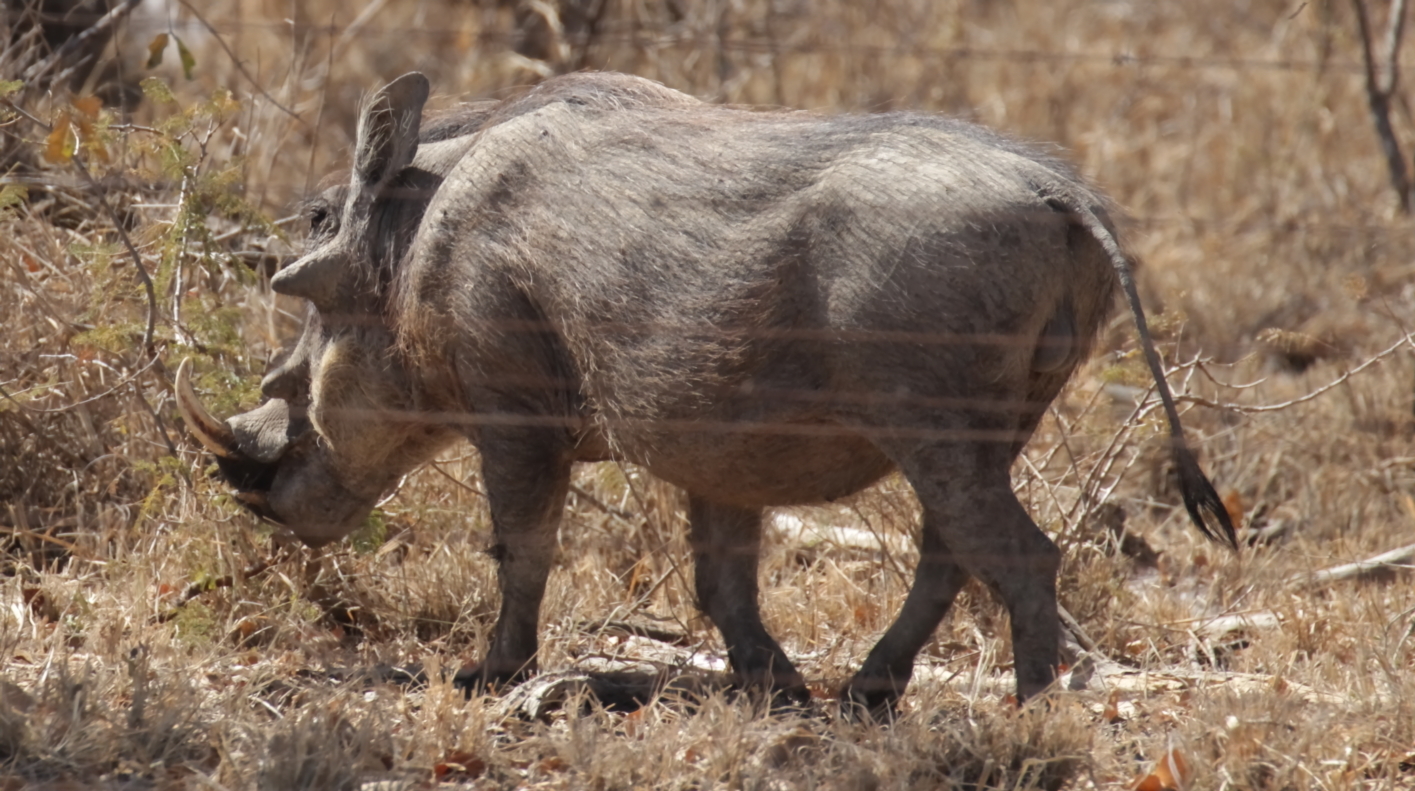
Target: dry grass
{"points": [[138, 653]]}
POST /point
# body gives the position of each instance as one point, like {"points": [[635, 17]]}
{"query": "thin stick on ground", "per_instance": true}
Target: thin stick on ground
{"points": [[196, 589], [1395, 558]]}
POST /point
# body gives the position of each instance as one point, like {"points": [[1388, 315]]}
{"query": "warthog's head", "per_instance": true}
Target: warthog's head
{"points": [[344, 418], [338, 428]]}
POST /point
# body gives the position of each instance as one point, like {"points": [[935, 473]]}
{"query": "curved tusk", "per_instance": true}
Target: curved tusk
{"points": [[213, 434]]}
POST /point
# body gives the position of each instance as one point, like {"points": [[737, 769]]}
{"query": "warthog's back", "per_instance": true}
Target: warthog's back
{"points": [[748, 291], [763, 308]]}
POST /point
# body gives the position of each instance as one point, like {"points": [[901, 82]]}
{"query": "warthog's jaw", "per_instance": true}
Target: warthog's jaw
{"points": [[278, 467], [308, 498]]}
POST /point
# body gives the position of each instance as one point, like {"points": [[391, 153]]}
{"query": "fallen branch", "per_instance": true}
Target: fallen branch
{"points": [[22, 532], [585, 495], [635, 629], [1396, 558], [1074, 626], [198, 588]]}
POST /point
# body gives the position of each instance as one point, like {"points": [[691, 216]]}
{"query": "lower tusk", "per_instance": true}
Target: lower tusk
{"points": [[213, 434]]}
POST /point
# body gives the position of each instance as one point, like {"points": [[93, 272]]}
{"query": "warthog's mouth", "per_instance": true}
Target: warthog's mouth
{"points": [[250, 447]]}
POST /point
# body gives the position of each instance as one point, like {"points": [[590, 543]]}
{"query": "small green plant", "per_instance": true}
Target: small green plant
{"points": [[372, 534]]}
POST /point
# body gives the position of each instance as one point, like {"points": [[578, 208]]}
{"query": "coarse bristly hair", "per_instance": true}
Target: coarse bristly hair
{"points": [[764, 307]]}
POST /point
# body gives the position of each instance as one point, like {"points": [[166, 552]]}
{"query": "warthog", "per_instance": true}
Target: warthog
{"points": [[763, 308]]}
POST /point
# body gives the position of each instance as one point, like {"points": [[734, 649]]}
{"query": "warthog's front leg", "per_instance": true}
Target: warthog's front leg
{"points": [[726, 541], [527, 475]]}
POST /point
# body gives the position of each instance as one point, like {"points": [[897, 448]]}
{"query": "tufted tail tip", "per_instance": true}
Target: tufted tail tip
{"points": [[1205, 507]]}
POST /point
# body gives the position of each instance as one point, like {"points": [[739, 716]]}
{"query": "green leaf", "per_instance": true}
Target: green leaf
{"points": [[155, 50], [12, 195], [9, 87], [372, 534], [188, 62]]}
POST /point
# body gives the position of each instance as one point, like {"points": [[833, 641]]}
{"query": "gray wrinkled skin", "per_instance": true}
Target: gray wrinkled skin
{"points": [[764, 308]]}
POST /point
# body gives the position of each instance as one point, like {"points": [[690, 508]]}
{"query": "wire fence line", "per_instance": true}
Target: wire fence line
{"points": [[673, 35], [651, 37]]}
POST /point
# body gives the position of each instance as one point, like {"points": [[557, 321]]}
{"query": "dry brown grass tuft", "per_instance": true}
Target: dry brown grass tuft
{"points": [[153, 635]]}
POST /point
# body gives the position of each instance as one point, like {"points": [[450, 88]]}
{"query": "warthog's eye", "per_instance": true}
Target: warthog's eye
{"points": [[319, 217]]}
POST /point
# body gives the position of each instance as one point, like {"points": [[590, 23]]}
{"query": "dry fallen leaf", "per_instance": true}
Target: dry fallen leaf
{"points": [[1170, 773], [552, 764], [1233, 504], [1111, 713], [88, 106], [155, 49], [633, 722], [459, 766], [59, 145]]}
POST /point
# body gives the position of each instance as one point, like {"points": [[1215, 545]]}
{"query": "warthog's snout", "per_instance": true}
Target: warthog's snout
{"points": [[272, 457]]}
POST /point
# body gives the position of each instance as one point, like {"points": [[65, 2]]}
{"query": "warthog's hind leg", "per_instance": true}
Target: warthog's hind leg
{"points": [[726, 542], [527, 475], [890, 665], [974, 524]]}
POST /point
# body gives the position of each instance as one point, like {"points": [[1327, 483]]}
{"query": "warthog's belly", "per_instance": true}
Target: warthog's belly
{"points": [[757, 464]]}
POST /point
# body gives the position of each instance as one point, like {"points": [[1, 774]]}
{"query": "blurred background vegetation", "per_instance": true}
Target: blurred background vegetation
{"points": [[155, 153]]}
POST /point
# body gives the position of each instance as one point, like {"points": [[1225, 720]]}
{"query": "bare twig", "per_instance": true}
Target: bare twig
{"points": [[454, 479], [585, 495], [237, 61], [48, 539], [1250, 410], [1380, 88], [91, 399], [156, 418], [101, 195], [198, 588], [39, 70], [1395, 558]]}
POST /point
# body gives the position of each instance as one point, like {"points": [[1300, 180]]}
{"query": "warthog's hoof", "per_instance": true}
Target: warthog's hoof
{"points": [[785, 699], [782, 690], [480, 679], [870, 699]]}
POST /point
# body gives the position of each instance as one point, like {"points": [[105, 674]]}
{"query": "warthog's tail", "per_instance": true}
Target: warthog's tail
{"points": [[1200, 498]]}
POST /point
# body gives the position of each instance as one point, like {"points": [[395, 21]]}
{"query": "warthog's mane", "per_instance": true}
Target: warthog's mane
{"points": [[400, 206]]}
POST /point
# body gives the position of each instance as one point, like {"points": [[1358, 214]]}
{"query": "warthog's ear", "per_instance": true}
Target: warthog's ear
{"points": [[388, 140], [388, 129]]}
